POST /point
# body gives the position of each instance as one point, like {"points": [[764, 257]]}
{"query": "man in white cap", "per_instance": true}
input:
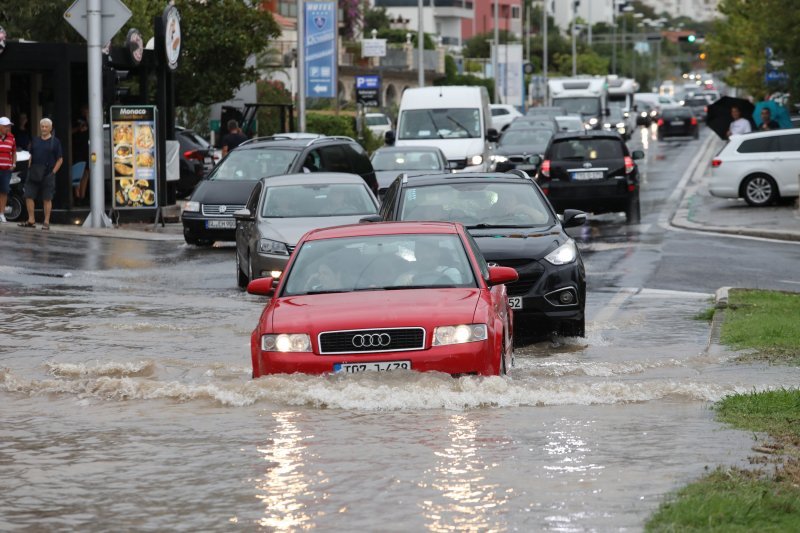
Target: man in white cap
{"points": [[8, 160]]}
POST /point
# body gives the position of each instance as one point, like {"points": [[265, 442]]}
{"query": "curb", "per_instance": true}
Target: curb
{"points": [[720, 304], [150, 234]]}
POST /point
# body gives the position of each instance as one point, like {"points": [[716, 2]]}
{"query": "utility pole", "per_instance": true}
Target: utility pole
{"points": [[589, 4], [544, 48], [421, 47], [574, 47], [495, 51], [301, 66], [97, 217], [613, 36]]}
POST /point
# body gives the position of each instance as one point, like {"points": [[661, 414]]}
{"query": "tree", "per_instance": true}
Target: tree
{"points": [[481, 44], [40, 20], [352, 20], [376, 19]]}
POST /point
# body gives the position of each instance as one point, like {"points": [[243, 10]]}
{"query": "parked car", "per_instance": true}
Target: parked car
{"points": [[390, 161], [593, 171], [569, 123], [283, 208], [196, 159], [378, 124], [208, 214], [517, 145], [760, 167], [377, 297], [678, 122], [699, 106], [502, 115], [514, 225]]}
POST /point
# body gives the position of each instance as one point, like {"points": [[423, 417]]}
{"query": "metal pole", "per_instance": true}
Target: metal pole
{"points": [[301, 66], [624, 41], [421, 47], [574, 47], [495, 50], [94, 14], [544, 49], [613, 36], [658, 60], [589, 2]]}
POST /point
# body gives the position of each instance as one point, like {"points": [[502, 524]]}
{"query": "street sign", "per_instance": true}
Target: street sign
{"points": [[368, 90], [115, 15], [320, 50], [373, 47]]}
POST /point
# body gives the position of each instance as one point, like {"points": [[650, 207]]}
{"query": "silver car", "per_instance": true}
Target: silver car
{"points": [[281, 209]]}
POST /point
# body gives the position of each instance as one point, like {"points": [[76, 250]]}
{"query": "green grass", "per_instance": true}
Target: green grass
{"points": [[776, 412], [706, 315], [765, 321], [729, 500]]}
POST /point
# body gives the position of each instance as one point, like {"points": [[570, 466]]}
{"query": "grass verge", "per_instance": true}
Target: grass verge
{"points": [[766, 498]]}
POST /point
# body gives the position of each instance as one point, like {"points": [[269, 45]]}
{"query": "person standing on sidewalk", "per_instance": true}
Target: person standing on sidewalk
{"points": [[46, 159], [8, 160], [234, 138]]}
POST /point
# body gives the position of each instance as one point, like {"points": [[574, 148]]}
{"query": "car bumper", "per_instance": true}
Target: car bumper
{"points": [[604, 196], [197, 225], [471, 357], [541, 307], [264, 265]]}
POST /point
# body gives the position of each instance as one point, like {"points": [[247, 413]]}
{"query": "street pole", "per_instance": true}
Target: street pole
{"points": [[421, 47], [574, 48], [301, 66], [544, 49], [613, 36], [495, 50], [589, 2], [94, 14], [624, 42]]}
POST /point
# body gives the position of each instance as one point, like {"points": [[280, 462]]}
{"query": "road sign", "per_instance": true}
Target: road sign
{"points": [[114, 16], [368, 90], [320, 50], [373, 47]]}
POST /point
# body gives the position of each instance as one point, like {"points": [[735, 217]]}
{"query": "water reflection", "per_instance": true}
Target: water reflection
{"points": [[469, 502], [284, 483]]}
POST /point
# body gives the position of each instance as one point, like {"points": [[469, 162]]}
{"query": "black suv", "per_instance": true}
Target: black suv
{"points": [[208, 214], [593, 171], [513, 225]]}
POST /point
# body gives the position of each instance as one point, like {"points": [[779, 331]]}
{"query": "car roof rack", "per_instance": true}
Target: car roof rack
{"points": [[331, 137], [276, 137]]}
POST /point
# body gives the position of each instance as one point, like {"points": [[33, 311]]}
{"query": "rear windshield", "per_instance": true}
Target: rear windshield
{"points": [[580, 149], [523, 136], [676, 113], [697, 102], [254, 164]]}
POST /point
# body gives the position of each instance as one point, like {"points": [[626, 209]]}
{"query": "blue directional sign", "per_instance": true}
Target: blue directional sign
{"points": [[320, 31], [368, 82]]}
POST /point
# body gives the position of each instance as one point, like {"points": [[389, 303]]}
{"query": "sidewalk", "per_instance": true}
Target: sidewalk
{"points": [[700, 211]]}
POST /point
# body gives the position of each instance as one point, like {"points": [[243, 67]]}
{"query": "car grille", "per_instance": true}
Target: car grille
{"points": [[371, 340], [458, 164], [529, 273], [213, 210]]}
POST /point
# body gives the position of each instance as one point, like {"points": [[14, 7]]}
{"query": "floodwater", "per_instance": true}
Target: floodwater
{"points": [[126, 404]]}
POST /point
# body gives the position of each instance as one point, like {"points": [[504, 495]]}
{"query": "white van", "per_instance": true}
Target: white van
{"points": [[454, 119]]}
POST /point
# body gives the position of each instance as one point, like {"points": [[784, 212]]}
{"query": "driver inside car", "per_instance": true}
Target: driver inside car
{"points": [[432, 265]]}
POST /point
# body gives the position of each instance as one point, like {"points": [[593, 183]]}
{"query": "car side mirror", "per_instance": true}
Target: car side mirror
{"points": [[606, 112], [243, 214], [637, 154], [573, 218], [389, 138], [499, 275], [492, 136], [370, 218], [261, 287]]}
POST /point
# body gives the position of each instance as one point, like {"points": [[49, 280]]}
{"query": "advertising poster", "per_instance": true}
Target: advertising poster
{"points": [[133, 157]]}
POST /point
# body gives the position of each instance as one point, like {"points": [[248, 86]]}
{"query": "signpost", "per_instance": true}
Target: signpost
{"points": [[320, 50], [368, 90], [97, 21]]}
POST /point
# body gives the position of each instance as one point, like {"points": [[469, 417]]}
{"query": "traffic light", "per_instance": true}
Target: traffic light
{"points": [[688, 38], [703, 56]]}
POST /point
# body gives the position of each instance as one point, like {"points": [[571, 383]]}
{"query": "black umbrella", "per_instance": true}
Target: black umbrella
{"points": [[719, 114]]}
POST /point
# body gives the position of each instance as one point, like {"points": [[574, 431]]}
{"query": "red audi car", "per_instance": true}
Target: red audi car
{"points": [[385, 296]]}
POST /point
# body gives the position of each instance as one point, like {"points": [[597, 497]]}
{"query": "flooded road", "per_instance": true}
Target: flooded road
{"points": [[126, 401]]}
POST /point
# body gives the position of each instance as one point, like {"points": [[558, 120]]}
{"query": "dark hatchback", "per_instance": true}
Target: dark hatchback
{"points": [[208, 214], [513, 225], [592, 171], [678, 122], [516, 146]]}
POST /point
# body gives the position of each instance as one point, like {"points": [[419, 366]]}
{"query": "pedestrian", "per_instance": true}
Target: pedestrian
{"points": [[767, 123], [46, 159], [8, 160], [740, 125], [79, 173], [234, 137]]}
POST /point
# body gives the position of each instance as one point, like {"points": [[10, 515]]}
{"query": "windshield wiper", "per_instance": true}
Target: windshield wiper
{"points": [[485, 226], [460, 125], [435, 125], [319, 292]]}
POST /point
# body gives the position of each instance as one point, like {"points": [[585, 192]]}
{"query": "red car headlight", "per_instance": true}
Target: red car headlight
{"points": [[286, 342], [460, 334]]}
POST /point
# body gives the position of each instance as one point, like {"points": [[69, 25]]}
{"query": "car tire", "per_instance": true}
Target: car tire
{"points": [[573, 328], [190, 238], [503, 369], [759, 190], [16, 208], [241, 278], [633, 213]]}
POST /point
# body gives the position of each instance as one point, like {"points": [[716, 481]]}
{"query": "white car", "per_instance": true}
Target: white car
{"points": [[760, 167], [503, 115], [378, 124]]}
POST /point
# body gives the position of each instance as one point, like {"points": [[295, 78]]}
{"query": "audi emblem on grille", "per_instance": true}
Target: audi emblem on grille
{"points": [[223, 208], [371, 340]]}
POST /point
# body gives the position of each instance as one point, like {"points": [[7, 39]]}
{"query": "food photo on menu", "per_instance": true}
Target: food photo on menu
{"points": [[134, 164]]}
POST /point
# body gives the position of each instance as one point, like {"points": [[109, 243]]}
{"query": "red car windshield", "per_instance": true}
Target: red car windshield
{"points": [[383, 262]]}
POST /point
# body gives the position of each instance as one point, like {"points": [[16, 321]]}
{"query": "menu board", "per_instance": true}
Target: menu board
{"points": [[134, 157]]}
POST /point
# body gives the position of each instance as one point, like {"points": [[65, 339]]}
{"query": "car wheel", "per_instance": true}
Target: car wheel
{"points": [[573, 328], [759, 190], [241, 278], [14, 208], [633, 214]]}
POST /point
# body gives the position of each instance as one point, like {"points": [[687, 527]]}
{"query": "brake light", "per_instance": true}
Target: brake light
{"points": [[629, 165], [716, 162], [694, 121], [705, 109], [193, 154], [545, 168], [660, 122]]}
